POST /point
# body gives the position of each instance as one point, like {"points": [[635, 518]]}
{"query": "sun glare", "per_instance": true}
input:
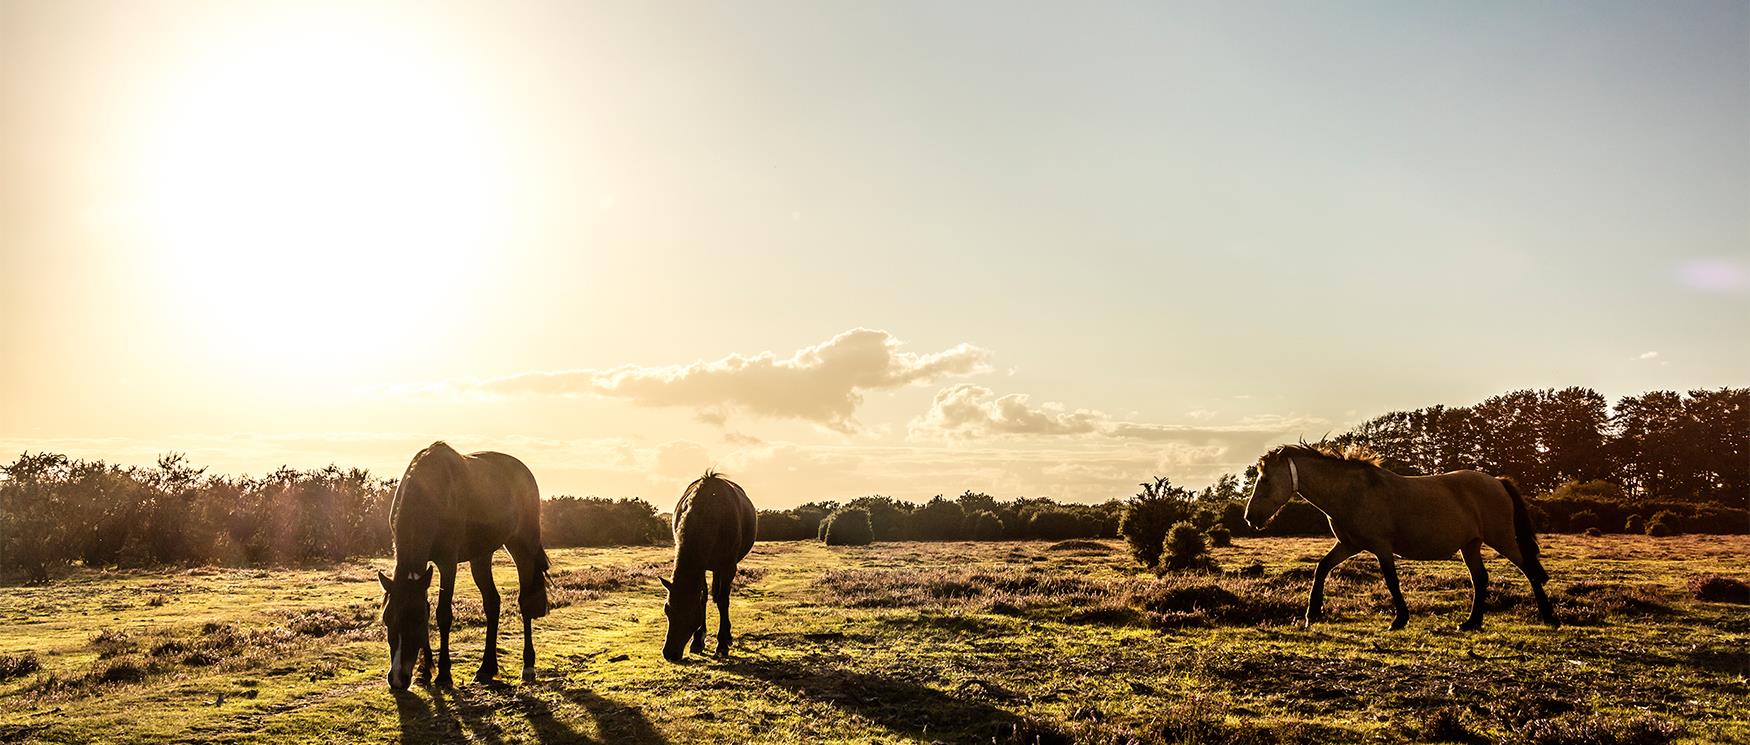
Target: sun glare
{"points": [[326, 186]]}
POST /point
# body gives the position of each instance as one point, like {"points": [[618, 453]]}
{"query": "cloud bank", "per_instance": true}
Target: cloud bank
{"points": [[974, 412], [823, 384]]}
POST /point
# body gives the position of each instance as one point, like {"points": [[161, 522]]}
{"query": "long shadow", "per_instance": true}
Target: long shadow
{"points": [[467, 712], [901, 706], [617, 722]]}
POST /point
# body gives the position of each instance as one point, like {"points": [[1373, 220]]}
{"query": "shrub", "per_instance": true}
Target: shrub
{"points": [[1220, 537], [849, 527], [1582, 520], [1148, 516], [820, 530], [1664, 523], [15, 665], [1591, 532], [780, 526], [1720, 589], [1185, 547], [985, 526], [1575, 729], [1635, 525], [938, 520]]}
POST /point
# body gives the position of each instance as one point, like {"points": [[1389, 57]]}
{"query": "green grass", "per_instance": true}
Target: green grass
{"points": [[955, 642]]}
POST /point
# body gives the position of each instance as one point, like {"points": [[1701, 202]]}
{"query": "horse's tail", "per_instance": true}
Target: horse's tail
{"points": [[532, 595], [1525, 535]]}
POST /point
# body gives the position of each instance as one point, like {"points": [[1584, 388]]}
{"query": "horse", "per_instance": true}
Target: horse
{"points": [[451, 508], [1413, 517], [714, 528]]}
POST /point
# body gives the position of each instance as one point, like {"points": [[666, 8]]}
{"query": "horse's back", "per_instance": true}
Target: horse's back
{"points": [[718, 520], [1437, 515]]}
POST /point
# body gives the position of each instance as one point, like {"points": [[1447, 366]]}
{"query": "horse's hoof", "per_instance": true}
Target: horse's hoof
{"points": [[528, 675], [1399, 624], [443, 681], [1470, 625], [485, 676]]}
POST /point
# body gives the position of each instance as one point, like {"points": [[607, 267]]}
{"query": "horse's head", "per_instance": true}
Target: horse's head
{"points": [[407, 615], [1278, 480], [685, 608]]}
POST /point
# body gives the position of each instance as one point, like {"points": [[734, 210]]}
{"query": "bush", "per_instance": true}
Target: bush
{"points": [[1576, 729], [1148, 516], [1580, 521], [1591, 532], [849, 527], [1185, 548], [1663, 524], [781, 526], [985, 526], [938, 520], [1220, 537], [1634, 525], [593, 521], [1720, 589], [820, 530], [15, 665]]}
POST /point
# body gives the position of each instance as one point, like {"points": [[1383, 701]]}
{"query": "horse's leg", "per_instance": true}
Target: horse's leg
{"points": [[1388, 566], [1337, 555], [531, 568], [482, 569], [445, 614], [698, 646], [720, 582], [1479, 584], [1534, 573]]}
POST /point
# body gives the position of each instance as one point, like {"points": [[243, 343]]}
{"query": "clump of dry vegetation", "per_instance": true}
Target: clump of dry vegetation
{"points": [[18, 665], [1719, 588], [1574, 729]]}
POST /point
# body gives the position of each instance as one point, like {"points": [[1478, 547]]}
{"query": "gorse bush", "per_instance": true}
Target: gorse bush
{"points": [[1219, 537], [849, 527], [1662, 524], [985, 526], [1148, 516], [1185, 548], [593, 521]]}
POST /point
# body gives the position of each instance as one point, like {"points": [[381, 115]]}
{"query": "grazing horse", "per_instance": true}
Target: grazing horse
{"points": [[1415, 517], [451, 508], [714, 527]]}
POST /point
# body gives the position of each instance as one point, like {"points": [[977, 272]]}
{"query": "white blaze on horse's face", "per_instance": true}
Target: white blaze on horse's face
{"points": [[407, 617], [1277, 483]]}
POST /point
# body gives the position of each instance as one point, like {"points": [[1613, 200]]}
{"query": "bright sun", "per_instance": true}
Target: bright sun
{"points": [[319, 185]]}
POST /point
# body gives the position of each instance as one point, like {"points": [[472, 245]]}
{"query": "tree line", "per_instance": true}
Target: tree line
{"points": [[1659, 462], [56, 510]]}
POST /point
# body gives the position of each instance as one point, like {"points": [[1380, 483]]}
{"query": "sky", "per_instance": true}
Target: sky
{"points": [[836, 249]]}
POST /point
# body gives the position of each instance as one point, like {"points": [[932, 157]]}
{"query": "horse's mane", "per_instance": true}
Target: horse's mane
{"points": [[1354, 452]]}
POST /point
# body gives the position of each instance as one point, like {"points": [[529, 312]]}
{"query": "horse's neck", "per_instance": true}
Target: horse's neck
{"points": [[1332, 490]]}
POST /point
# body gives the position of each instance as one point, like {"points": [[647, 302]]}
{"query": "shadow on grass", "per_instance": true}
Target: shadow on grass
{"points": [[472, 713], [902, 706]]}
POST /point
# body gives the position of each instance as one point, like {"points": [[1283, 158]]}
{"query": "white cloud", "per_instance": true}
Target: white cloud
{"points": [[823, 384], [973, 412], [1649, 355]]}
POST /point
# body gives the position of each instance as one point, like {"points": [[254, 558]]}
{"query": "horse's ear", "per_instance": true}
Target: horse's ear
{"points": [[383, 579], [667, 585]]}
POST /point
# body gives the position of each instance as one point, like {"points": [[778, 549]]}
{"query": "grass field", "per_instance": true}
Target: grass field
{"points": [[954, 642]]}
